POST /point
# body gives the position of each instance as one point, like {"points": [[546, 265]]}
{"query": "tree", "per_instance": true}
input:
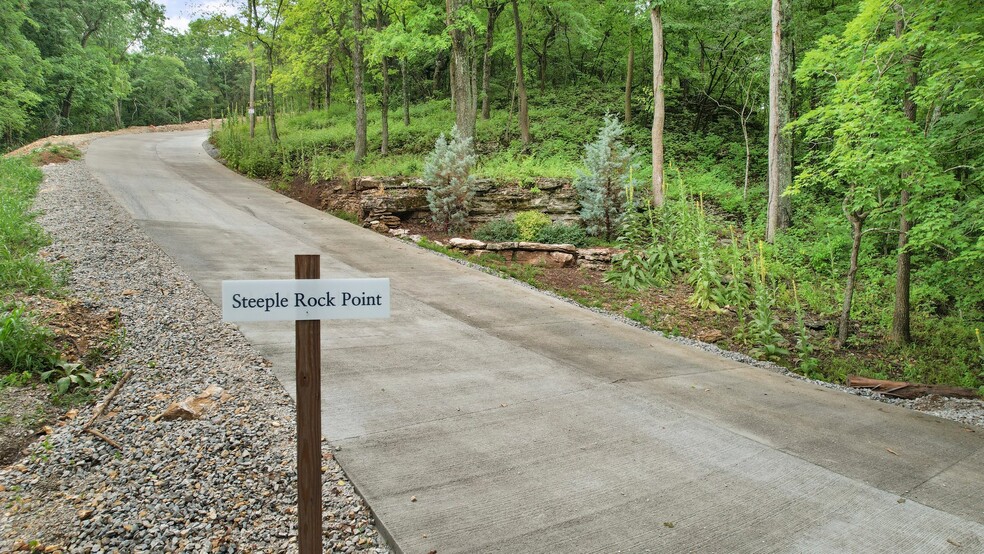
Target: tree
{"points": [[780, 146], [602, 185], [447, 172], [524, 115], [494, 8], [867, 147], [659, 102], [463, 82], [359, 68], [20, 71]]}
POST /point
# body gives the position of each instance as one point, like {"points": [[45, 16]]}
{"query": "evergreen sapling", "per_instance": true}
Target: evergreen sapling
{"points": [[447, 172], [601, 186]]}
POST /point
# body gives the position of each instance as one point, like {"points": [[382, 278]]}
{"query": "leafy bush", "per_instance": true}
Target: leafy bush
{"points": [[448, 174], [529, 224], [562, 233], [498, 230]]}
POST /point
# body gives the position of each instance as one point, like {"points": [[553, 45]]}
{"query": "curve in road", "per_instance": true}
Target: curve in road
{"points": [[521, 423]]}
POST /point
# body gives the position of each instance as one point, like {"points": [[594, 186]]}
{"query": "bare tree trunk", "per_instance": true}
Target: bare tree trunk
{"points": [[901, 330], [462, 74], [494, 10], [659, 108], [251, 111], [406, 96], [628, 80], [274, 136], [329, 68], [843, 325], [524, 116], [384, 101], [359, 68], [780, 168], [119, 117]]}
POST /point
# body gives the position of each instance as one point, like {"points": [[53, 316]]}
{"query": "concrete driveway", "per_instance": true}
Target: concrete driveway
{"points": [[487, 417]]}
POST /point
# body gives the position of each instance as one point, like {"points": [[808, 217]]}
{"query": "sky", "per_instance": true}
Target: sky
{"points": [[180, 12]]}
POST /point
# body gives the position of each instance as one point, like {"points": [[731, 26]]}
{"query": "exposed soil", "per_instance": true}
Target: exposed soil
{"points": [[81, 335]]}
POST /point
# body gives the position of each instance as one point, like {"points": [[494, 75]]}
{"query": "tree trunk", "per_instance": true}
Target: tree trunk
{"points": [[901, 330], [359, 68], [524, 116], [901, 333], [780, 168], [462, 76], [274, 136], [406, 96], [843, 325], [251, 111], [119, 117], [494, 11], [659, 115], [748, 151], [329, 69], [628, 81], [384, 101]]}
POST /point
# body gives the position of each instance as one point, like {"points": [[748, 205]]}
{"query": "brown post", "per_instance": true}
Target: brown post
{"points": [[308, 347]]}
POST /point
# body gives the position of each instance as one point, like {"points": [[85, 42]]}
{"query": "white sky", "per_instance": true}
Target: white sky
{"points": [[180, 12]]}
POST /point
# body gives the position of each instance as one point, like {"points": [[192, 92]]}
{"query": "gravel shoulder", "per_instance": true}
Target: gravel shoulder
{"points": [[224, 482]]}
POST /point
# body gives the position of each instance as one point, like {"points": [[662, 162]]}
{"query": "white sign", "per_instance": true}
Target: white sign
{"points": [[305, 299], [251, 111]]}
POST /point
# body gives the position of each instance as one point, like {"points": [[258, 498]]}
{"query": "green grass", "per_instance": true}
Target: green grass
{"points": [[20, 236], [26, 345]]}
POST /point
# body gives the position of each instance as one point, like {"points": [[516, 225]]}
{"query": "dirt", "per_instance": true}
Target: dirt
{"points": [[81, 335]]}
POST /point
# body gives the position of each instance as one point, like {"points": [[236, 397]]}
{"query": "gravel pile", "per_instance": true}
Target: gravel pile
{"points": [[222, 483]]}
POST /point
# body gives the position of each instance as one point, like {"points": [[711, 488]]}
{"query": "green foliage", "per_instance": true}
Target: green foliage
{"points": [[497, 230], [20, 237], [562, 233], [68, 375], [530, 223], [24, 344], [602, 185], [447, 172], [648, 259]]}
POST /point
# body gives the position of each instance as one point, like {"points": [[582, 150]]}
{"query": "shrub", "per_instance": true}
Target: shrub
{"points": [[498, 230], [562, 233], [448, 173], [602, 184], [529, 224]]}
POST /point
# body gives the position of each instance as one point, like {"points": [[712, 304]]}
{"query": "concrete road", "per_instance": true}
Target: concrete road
{"points": [[520, 423]]}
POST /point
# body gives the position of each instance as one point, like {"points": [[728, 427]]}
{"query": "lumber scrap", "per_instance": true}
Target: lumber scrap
{"points": [[904, 389]]}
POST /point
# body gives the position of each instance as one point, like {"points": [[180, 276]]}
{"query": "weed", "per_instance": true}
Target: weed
{"points": [[68, 375]]}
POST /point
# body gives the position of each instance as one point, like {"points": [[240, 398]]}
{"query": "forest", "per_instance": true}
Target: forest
{"points": [[782, 162]]}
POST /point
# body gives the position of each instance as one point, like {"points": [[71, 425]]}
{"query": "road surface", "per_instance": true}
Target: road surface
{"points": [[521, 423]]}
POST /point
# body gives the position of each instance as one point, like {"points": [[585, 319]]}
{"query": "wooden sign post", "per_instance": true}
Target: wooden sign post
{"points": [[307, 300], [307, 341]]}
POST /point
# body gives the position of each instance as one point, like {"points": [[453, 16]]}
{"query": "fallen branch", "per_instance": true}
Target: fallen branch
{"points": [[903, 389], [105, 403], [108, 440]]}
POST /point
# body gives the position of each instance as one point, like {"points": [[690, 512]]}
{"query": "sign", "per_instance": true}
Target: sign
{"points": [[251, 111], [305, 299]]}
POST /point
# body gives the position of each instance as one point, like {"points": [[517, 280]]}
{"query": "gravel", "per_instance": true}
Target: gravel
{"points": [[225, 482]]}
